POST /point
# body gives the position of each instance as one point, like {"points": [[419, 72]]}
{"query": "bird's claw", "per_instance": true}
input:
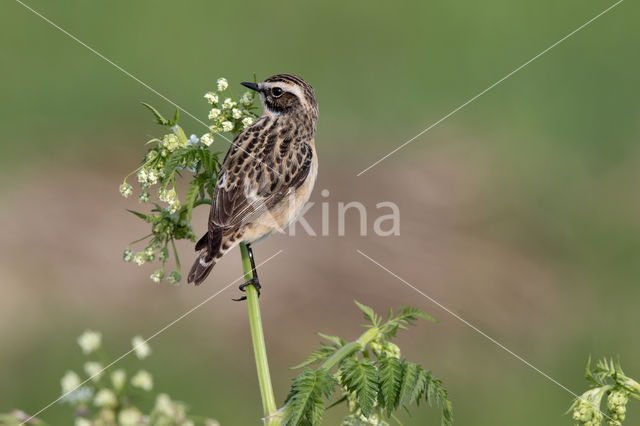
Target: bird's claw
{"points": [[244, 285]]}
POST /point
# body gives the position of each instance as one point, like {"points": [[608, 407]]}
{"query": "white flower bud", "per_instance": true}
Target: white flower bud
{"points": [[118, 378], [140, 347], [223, 84], [105, 398], [94, 370], [129, 417], [227, 126], [69, 382], [211, 97], [90, 341], [236, 113], [248, 121], [206, 139], [126, 190], [142, 380]]}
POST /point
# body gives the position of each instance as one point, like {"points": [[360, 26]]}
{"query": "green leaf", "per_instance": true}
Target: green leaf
{"points": [[159, 118], [176, 115], [192, 193], [409, 381], [145, 217], [391, 372], [360, 377], [419, 388], [437, 394], [369, 314], [333, 339], [319, 355], [305, 401]]}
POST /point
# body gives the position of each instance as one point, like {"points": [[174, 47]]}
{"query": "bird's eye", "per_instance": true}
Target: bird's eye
{"points": [[276, 92]]}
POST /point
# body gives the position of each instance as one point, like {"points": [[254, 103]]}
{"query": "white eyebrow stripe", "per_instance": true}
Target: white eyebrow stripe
{"points": [[289, 87]]}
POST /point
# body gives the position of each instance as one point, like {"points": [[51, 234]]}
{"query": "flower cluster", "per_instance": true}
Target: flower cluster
{"points": [[170, 157], [586, 409], [617, 406], [103, 398], [227, 113], [607, 378]]}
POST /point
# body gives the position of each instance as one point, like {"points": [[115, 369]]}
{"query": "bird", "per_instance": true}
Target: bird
{"points": [[266, 177]]}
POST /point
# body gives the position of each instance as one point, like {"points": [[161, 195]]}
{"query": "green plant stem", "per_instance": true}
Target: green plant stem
{"points": [[272, 417], [351, 347]]}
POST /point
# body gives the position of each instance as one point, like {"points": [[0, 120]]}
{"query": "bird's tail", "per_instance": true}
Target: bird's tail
{"points": [[212, 248]]}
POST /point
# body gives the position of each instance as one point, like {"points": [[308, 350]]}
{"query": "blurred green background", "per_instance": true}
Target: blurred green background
{"points": [[521, 212]]}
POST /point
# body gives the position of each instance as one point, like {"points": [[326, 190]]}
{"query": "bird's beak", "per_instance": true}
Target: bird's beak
{"points": [[252, 86]]}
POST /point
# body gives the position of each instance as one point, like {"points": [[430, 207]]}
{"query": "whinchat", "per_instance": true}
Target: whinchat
{"points": [[267, 175]]}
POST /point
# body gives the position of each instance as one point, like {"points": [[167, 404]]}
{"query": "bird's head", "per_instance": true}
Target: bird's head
{"points": [[286, 94]]}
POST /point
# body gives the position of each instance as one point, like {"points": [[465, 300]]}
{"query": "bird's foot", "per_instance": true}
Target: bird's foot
{"points": [[254, 282]]}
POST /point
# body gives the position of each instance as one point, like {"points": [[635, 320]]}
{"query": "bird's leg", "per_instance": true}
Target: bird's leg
{"points": [[253, 281]]}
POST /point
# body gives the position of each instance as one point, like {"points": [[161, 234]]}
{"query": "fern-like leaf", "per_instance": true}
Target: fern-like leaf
{"points": [[192, 193], [409, 381], [391, 372], [159, 118], [319, 355], [436, 393], [361, 378], [305, 401]]}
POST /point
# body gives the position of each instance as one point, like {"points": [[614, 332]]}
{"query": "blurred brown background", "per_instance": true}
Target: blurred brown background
{"points": [[520, 212]]}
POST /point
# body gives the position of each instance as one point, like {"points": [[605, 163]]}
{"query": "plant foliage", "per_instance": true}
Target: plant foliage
{"points": [[373, 378]]}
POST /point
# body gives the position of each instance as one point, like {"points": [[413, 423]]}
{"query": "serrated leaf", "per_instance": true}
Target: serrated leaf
{"points": [[192, 193], [360, 376], [159, 118], [333, 339], [319, 355], [369, 314], [390, 372], [423, 378], [305, 401], [409, 381]]}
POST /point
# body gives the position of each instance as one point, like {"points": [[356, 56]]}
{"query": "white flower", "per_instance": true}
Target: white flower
{"points": [[152, 177], [174, 206], [164, 404], [228, 104], [236, 113], [206, 139], [81, 421], [141, 347], [118, 378], [211, 97], [90, 341], [129, 417], [142, 176], [139, 258], [157, 275], [246, 99], [69, 382], [214, 113], [142, 380], [248, 121], [222, 84], [94, 370], [105, 398], [193, 139], [227, 126], [144, 197], [126, 190]]}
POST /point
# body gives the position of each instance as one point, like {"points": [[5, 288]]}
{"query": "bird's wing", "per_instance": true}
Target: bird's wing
{"points": [[260, 169]]}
